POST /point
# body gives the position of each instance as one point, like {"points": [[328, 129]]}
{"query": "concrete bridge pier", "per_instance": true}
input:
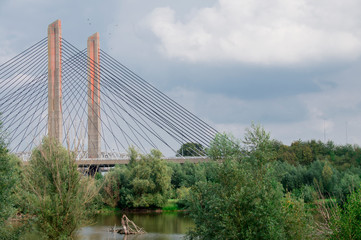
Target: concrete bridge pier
{"points": [[93, 50], [55, 118]]}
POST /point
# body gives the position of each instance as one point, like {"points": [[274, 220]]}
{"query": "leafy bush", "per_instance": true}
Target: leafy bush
{"points": [[144, 182], [244, 200], [9, 179], [57, 196], [346, 223]]}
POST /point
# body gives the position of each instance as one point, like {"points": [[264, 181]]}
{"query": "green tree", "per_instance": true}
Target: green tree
{"points": [[115, 187], [258, 146], [191, 149], [150, 181], [144, 182], [244, 200], [224, 145], [345, 222], [240, 204], [58, 196], [9, 178]]}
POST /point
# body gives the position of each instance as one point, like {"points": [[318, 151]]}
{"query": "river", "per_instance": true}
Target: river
{"points": [[159, 226]]}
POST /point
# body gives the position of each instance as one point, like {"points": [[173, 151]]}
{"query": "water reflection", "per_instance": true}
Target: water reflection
{"points": [[160, 226]]}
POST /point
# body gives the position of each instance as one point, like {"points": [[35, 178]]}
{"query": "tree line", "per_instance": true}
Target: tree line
{"points": [[253, 188]]}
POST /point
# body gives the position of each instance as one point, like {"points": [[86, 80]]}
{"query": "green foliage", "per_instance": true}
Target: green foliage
{"points": [[296, 218], [56, 194], [191, 149], [150, 180], [145, 182], [345, 224], [244, 200], [224, 145], [349, 183], [182, 195], [239, 205], [187, 174], [257, 145], [115, 187], [9, 179], [341, 157]]}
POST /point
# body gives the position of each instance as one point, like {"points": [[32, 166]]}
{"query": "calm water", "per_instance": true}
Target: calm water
{"points": [[159, 226]]}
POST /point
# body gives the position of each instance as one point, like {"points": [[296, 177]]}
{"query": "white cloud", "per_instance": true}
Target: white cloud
{"points": [[262, 32]]}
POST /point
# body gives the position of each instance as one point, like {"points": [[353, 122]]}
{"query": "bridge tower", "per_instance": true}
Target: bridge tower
{"points": [[55, 120], [93, 50]]}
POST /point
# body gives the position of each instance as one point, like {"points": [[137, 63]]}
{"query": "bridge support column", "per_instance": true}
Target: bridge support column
{"points": [[93, 48], [55, 119]]}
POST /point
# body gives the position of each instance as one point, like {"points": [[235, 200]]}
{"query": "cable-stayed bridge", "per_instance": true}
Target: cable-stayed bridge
{"points": [[91, 103]]}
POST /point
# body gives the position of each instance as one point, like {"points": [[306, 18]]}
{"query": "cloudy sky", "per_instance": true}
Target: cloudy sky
{"points": [[293, 66]]}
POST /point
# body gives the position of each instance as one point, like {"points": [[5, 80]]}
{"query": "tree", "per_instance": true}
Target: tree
{"points": [[144, 182], [258, 146], [150, 181], [7, 184], [191, 149], [58, 196], [244, 200], [9, 178], [345, 222], [115, 187], [224, 146], [238, 205]]}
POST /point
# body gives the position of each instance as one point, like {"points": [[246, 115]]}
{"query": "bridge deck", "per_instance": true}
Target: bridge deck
{"points": [[113, 162]]}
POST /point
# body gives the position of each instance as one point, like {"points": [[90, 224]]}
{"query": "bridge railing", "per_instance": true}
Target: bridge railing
{"points": [[82, 156]]}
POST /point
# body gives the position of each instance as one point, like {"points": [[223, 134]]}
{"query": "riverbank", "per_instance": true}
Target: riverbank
{"points": [[171, 206]]}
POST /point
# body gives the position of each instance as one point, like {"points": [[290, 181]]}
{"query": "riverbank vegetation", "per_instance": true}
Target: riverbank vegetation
{"points": [[253, 188]]}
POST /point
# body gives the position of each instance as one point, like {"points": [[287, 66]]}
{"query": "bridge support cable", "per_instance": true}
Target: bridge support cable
{"points": [[81, 73], [157, 117], [133, 112], [84, 76], [76, 95], [102, 89], [155, 92], [162, 105], [113, 86], [195, 127], [17, 79], [21, 91]]}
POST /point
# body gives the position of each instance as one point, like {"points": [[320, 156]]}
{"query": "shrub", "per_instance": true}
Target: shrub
{"points": [[144, 182], [244, 200], [346, 222], [58, 196]]}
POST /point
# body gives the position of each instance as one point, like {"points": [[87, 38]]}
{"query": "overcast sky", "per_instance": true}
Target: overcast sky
{"points": [[293, 66]]}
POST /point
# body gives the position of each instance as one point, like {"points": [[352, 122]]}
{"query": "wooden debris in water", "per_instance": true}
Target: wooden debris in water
{"points": [[128, 227]]}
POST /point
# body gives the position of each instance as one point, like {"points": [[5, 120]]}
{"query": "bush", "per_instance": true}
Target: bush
{"points": [[239, 205], [346, 223], [9, 179], [144, 182], [296, 218], [115, 187], [150, 181], [244, 200], [57, 195]]}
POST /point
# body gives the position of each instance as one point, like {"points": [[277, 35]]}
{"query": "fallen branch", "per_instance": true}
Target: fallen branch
{"points": [[128, 227]]}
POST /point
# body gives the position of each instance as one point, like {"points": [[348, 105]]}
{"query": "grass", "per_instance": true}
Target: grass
{"points": [[106, 210], [171, 205]]}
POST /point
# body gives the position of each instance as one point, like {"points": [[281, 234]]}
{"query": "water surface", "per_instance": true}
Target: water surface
{"points": [[159, 226]]}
